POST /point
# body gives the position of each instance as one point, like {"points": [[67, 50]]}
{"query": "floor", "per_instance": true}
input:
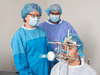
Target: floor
{"points": [[7, 73]]}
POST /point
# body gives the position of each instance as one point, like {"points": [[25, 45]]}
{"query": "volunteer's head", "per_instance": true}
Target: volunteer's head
{"points": [[31, 14], [54, 12], [74, 51]]}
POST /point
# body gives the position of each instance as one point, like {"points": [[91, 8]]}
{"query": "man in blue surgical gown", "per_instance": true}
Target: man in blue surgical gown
{"points": [[55, 27], [29, 42]]}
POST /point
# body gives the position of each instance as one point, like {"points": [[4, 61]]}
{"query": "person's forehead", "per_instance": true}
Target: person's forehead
{"points": [[34, 12], [55, 12]]}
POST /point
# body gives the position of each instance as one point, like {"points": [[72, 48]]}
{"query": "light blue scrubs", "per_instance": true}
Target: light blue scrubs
{"points": [[27, 44]]}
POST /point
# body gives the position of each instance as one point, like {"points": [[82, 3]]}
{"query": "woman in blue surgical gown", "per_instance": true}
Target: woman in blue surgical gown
{"points": [[29, 42]]}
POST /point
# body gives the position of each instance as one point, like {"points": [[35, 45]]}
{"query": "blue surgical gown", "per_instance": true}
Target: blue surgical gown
{"points": [[57, 31], [27, 45]]}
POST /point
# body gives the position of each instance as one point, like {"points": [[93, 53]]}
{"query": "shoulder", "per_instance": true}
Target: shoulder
{"points": [[89, 69], [66, 22], [56, 66], [42, 24], [66, 25], [19, 32], [17, 36], [40, 28], [55, 69]]}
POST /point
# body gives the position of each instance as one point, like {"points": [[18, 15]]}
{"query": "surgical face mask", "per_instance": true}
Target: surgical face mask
{"points": [[33, 21], [54, 18]]}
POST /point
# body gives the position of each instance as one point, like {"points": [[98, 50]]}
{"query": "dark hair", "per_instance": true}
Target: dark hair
{"points": [[24, 20]]}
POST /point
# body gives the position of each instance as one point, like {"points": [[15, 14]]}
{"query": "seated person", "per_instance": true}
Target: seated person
{"points": [[76, 67]]}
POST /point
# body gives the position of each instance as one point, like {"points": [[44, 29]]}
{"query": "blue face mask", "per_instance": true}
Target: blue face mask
{"points": [[33, 21], [54, 18], [63, 51]]}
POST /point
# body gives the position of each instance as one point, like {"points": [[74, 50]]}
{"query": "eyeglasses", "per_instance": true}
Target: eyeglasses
{"points": [[38, 16], [55, 13]]}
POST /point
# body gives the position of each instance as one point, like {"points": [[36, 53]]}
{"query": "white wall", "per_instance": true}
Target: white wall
{"points": [[84, 16], [10, 22]]}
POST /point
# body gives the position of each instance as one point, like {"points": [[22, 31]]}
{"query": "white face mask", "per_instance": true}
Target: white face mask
{"points": [[54, 18], [33, 21]]}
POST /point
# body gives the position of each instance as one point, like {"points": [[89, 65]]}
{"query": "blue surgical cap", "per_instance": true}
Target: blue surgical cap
{"points": [[54, 7], [30, 7], [79, 42]]}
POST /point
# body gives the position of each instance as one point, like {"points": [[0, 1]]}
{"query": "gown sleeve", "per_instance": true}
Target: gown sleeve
{"points": [[72, 30], [20, 55], [50, 49]]}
